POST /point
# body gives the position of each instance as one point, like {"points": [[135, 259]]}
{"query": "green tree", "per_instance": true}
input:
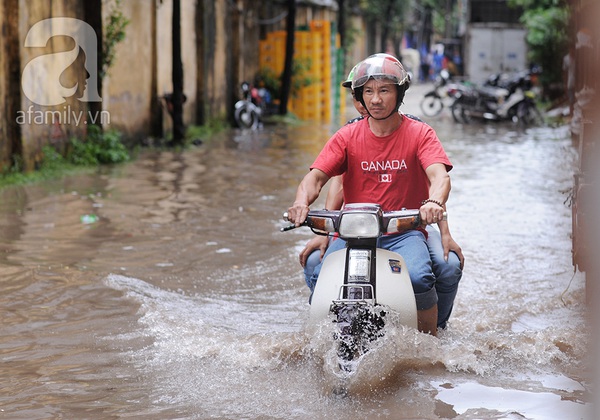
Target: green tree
{"points": [[547, 24], [387, 16], [114, 33]]}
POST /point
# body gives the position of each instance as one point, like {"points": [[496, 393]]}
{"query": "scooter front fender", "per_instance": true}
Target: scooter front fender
{"points": [[512, 103], [251, 106], [241, 103], [433, 93], [393, 286]]}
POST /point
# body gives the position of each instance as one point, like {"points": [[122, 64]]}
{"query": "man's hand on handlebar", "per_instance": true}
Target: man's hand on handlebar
{"points": [[297, 213], [431, 213]]}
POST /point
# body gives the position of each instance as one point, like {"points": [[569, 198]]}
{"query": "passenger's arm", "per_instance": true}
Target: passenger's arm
{"points": [[318, 242], [334, 201], [335, 195], [449, 244]]}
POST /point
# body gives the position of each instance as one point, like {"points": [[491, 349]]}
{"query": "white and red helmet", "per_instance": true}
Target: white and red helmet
{"points": [[380, 66]]}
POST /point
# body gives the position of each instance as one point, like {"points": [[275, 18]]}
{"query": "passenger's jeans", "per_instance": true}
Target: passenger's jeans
{"points": [[314, 260], [447, 275], [420, 266]]}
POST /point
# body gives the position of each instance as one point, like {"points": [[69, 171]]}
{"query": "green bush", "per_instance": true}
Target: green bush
{"points": [[203, 133], [98, 148], [547, 24], [52, 159]]}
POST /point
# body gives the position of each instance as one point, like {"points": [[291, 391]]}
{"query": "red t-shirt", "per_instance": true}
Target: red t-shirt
{"points": [[390, 170]]}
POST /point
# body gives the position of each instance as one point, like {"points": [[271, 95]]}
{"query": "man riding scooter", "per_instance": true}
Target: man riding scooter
{"points": [[391, 160]]}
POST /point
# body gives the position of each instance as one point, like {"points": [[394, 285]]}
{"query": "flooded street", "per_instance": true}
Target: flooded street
{"points": [[183, 300]]}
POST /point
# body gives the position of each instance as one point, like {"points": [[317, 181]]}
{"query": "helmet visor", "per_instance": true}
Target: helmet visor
{"points": [[379, 67]]}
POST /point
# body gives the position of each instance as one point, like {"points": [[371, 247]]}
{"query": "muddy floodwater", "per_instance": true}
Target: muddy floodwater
{"points": [[182, 300]]}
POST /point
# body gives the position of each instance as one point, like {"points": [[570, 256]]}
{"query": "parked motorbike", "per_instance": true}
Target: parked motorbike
{"points": [[499, 99], [432, 103], [250, 110], [360, 285]]}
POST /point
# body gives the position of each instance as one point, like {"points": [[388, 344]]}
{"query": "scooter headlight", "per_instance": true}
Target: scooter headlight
{"points": [[359, 225]]}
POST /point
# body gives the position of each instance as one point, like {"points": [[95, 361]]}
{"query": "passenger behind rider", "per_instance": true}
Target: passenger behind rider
{"points": [[442, 284]]}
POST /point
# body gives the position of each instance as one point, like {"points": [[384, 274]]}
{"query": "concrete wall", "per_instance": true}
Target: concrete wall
{"points": [[127, 89], [359, 50], [48, 71]]}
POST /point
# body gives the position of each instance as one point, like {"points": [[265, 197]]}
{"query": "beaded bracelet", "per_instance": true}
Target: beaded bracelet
{"points": [[429, 200]]}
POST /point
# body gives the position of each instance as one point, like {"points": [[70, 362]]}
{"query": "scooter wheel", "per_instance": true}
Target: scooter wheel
{"points": [[246, 118], [527, 114], [459, 114], [431, 105]]}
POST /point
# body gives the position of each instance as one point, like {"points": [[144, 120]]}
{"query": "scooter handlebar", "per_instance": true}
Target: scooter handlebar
{"points": [[402, 224]]}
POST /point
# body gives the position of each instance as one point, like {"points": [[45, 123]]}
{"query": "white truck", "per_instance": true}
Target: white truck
{"points": [[494, 48]]}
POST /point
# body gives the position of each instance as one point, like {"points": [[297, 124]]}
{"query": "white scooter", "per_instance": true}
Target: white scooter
{"points": [[359, 285], [255, 105]]}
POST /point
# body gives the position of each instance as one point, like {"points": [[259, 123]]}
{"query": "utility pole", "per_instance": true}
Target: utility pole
{"points": [[178, 127], [342, 28], [286, 79]]}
